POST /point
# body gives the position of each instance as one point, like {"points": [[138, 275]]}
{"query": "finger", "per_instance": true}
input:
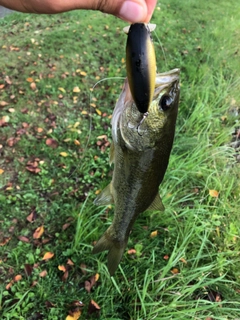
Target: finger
{"points": [[128, 10]]}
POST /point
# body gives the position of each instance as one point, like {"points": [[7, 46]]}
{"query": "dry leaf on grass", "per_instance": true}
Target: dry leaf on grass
{"points": [[38, 232], [48, 255]]}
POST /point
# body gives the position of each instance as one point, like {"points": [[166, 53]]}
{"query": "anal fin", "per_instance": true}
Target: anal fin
{"points": [[157, 204]]}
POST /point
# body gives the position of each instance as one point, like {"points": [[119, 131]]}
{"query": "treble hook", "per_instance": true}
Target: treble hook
{"points": [[143, 118]]}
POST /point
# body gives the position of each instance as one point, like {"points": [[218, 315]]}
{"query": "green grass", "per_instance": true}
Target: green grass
{"points": [[197, 235]]}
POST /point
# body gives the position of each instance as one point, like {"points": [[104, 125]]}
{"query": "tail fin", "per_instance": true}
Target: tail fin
{"points": [[115, 250]]}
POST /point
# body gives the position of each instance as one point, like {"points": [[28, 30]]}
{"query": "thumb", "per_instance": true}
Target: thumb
{"points": [[128, 10], [133, 11]]}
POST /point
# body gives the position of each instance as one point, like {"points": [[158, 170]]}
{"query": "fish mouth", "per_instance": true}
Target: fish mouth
{"points": [[166, 80], [168, 77]]}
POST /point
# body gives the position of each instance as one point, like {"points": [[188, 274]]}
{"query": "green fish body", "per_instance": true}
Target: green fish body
{"points": [[140, 152]]}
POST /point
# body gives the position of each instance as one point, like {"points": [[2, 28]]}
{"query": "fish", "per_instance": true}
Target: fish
{"points": [[141, 64], [140, 154]]}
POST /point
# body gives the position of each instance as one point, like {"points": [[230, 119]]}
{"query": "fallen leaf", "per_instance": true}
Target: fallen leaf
{"points": [[49, 304], [214, 193], [76, 142], [28, 268], [99, 112], [33, 169], [76, 89], [8, 286], [62, 89], [97, 275], [3, 104], [7, 79], [29, 79], [1, 171], [83, 268], [62, 268], [32, 166], [25, 125], [38, 232], [34, 283], [103, 136], [132, 251], [70, 263], [218, 298], [12, 141], [83, 73], [91, 282], [32, 216], [65, 226], [33, 86], [4, 121], [65, 276], [183, 260], [174, 271], [48, 255], [52, 143], [75, 315], [17, 278], [23, 239], [5, 241], [93, 307], [43, 273], [63, 154], [77, 303], [153, 234]]}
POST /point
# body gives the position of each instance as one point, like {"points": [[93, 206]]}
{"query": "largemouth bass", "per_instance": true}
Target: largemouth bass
{"points": [[140, 152]]}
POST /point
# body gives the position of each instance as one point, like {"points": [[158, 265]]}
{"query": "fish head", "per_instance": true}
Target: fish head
{"points": [[143, 131]]}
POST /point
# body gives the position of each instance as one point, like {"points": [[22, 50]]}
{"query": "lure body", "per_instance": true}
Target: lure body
{"points": [[141, 65]]}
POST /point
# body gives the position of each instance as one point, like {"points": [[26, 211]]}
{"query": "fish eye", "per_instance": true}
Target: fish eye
{"points": [[165, 102]]}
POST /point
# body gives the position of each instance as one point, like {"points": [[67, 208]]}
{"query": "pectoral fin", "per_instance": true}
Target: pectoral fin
{"points": [[105, 197], [111, 154], [157, 204]]}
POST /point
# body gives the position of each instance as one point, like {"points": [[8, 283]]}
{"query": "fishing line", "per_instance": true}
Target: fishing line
{"points": [[90, 115], [90, 97], [161, 46]]}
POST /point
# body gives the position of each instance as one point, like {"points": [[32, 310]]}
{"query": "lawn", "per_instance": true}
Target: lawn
{"points": [[60, 77]]}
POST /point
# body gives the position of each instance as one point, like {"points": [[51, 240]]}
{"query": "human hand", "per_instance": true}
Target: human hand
{"points": [[128, 10]]}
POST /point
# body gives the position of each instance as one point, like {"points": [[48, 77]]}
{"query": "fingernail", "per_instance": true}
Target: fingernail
{"points": [[132, 12]]}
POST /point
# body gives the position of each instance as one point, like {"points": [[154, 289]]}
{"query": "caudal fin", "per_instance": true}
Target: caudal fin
{"points": [[115, 251]]}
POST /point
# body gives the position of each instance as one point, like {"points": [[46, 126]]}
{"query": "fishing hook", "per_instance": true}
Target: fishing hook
{"points": [[142, 120]]}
